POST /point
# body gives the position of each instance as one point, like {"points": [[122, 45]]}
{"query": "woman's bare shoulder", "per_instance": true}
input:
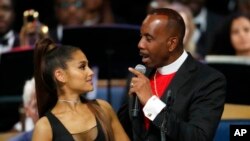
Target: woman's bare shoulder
{"points": [[42, 129], [43, 122], [104, 104]]}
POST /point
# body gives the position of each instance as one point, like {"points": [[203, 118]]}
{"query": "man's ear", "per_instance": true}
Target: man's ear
{"points": [[172, 43], [60, 75]]}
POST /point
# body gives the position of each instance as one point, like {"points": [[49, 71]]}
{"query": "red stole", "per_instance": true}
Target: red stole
{"points": [[161, 82]]}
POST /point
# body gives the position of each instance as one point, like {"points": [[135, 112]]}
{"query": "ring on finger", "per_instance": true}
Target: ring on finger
{"points": [[132, 85]]}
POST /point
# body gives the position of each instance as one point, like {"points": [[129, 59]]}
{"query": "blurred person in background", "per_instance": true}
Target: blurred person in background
{"points": [[98, 12], [240, 34], [206, 22], [26, 125], [233, 38], [75, 13], [32, 29], [67, 13], [8, 37]]}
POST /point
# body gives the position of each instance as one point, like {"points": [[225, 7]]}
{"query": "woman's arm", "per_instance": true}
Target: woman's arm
{"points": [[42, 130]]}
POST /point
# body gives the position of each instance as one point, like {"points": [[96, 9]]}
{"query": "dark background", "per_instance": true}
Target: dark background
{"points": [[132, 11]]}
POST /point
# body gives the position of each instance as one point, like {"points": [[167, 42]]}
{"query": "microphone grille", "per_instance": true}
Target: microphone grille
{"points": [[140, 68]]}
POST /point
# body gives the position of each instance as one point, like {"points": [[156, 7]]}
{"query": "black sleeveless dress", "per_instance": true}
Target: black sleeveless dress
{"points": [[60, 133]]}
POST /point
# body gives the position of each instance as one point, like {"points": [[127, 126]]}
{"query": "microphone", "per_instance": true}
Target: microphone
{"points": [[135, 108]]}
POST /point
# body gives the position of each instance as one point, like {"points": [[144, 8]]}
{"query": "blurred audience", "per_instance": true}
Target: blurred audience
{"points": [[8, 37], [98, 12], [26, 125], [73, 13], [233, 38], [32, 28], [206, 22], [67, 13]]}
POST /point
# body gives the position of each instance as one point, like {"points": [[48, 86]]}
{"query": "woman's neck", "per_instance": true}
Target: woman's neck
{"points": [[70, 102], [76, 101]]}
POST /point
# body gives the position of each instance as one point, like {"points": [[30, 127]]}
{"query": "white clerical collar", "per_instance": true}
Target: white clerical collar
{"points": [[201, 19], [173, 67]]}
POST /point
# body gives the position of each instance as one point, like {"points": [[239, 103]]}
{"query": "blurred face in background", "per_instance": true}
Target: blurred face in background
{"points": [[195, 5], [69, 12], [240, 34], [6, 16], [93, 5], [31, 108]]}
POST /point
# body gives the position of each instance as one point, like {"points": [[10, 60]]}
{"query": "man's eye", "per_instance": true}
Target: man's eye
{"points": [[148, 39]]}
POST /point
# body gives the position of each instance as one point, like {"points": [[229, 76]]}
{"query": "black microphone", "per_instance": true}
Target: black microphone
{"points": [[135, 108]]}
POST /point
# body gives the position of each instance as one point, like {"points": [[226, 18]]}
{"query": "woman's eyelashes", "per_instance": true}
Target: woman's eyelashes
{"points": [[82, 66]]}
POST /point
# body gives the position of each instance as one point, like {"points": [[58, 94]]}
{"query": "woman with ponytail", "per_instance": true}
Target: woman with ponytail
{"points": [[62, 75]]}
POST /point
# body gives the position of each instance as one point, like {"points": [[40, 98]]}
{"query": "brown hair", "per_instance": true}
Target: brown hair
{"points": [[47, 57]]}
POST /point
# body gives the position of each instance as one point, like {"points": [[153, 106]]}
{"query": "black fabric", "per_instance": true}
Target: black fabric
{"points": [[4, 42], [60, 133], [16, 41], [206, 39]]}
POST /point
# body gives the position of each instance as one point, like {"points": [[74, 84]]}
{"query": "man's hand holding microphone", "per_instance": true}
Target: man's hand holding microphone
{"points": [[139, 88]]}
